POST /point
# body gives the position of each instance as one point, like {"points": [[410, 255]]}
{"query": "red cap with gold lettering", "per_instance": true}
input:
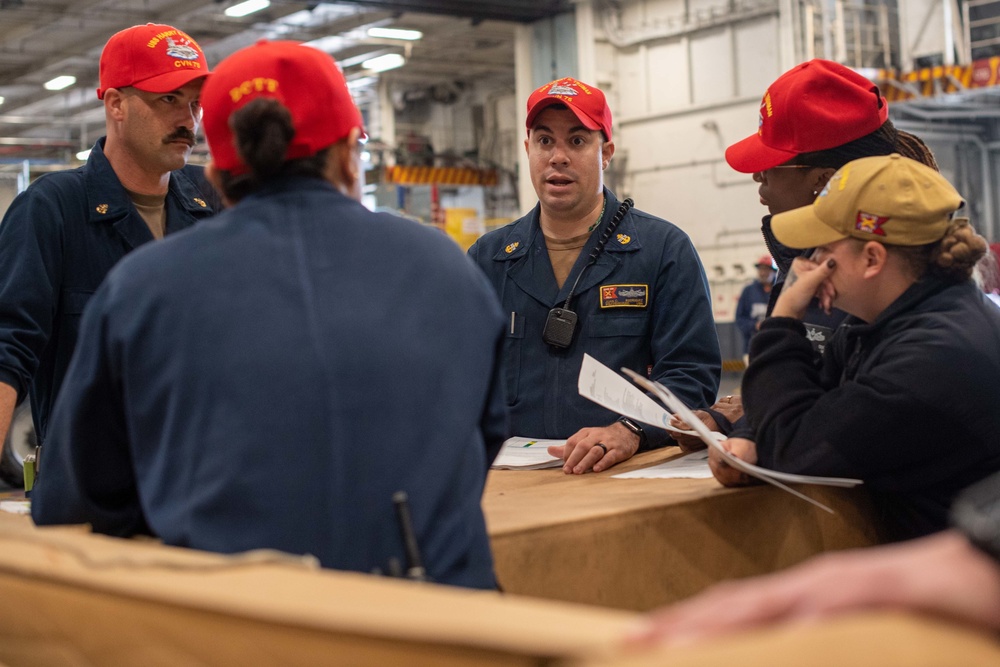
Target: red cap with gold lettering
{"points": [[154, 58], [304, 80]]}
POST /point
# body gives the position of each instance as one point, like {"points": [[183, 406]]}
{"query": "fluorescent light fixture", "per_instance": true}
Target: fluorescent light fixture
{"points": [[328, 44], [383, 63], [83, 155], [60, 82], [248, 7], [1, 99], [395, 33], [361, 82]]}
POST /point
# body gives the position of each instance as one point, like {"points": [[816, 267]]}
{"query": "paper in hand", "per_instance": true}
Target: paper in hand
{"points": [[610, 390], [770, 476]]}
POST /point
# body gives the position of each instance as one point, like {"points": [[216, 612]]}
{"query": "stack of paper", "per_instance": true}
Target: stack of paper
{"points": [[527, 454], [605, 387]]}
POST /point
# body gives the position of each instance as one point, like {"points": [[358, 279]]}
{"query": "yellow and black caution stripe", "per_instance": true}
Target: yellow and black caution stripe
{"points": [[938, 80], [401, 175]]}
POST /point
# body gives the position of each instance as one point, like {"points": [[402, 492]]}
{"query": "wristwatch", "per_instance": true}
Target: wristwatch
{"points": [[635, 428], [976, 514]]}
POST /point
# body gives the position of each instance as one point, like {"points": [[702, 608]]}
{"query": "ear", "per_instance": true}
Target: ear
{"points": [[607, 152], [526, 144], [114, 103], [343, 166], [212, 176], [874, 256], [215, 180], [821, 177]]}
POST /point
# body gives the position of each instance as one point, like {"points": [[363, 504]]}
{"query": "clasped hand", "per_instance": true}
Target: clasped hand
{"points": [[806, 279]]}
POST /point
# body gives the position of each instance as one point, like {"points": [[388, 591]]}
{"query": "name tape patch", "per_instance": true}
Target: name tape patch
{"points": [[624, 296]]}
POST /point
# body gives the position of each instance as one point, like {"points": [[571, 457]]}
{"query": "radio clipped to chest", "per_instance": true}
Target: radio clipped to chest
{"points": [[560, 324]]}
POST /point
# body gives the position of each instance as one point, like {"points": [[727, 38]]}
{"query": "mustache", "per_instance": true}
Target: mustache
{"points": [[181, 133]]}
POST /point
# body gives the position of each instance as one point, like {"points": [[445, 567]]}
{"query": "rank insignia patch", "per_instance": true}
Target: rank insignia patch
{"points": [[102, 208], [512, 247], [870, 223], [624, 239], [624, 296], [200, 202]]}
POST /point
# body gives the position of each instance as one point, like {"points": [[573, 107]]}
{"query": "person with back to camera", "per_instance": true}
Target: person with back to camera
{"points": [[61, 235], [814, 118], [905, 394], [573, 283], [273, 377]]}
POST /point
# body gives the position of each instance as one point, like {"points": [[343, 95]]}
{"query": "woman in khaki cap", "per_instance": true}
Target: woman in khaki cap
{"points": [[904, 396]]}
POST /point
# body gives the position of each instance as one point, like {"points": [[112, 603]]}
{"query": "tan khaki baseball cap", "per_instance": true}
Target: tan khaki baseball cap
{"points": [[889, 198]]}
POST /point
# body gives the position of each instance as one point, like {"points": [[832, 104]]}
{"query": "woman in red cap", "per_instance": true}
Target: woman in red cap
{"points": [[814, 118], [275, 378]]}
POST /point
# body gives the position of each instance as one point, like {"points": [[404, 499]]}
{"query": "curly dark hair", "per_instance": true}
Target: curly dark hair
{"points": [[883, 141]]}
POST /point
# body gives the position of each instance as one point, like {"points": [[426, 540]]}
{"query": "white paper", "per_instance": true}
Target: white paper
{"points": [[15, 506], [690, 466], [610, 390], [527, 454], [770, 476]]}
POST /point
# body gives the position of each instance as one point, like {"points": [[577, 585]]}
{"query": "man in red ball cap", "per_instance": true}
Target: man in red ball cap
{"points": [[584, 274], [61, 236]]}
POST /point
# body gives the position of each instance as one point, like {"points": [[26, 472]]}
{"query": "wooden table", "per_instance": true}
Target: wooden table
{"points": [[73, 598], [640, 543], [863, 639]]}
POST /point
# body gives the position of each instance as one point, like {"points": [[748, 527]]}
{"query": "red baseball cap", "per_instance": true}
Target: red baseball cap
{"points": [[586, 102], [814, 106], [305, 80], [765, 260], [154, 58]]}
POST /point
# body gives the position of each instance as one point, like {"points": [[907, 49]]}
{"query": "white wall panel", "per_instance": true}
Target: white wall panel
{"points": [[651, 12], [712, 66], [758, 61], [669, 80], [922, 26], [633, 92], [705, 7], [675, 168]]}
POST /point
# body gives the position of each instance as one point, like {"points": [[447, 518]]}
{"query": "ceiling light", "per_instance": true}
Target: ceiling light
{"points": [[83, 155], [60, 82], [328, 44], [395, 33], [1, 99], [383, 63], [248, 7], [361, 82]]}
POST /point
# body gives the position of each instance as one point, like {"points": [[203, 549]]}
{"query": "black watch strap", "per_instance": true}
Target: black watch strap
{"points": [[635, 428]]}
